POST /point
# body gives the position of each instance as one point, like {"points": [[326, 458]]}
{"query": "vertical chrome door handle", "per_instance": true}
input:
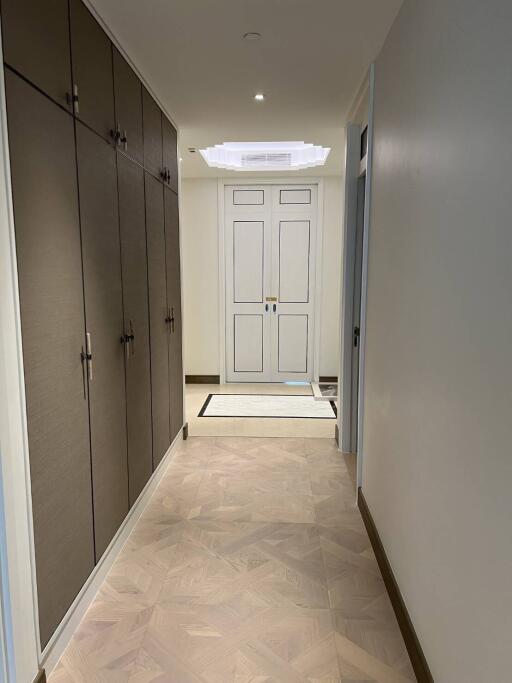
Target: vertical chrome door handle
{"points": [[83, 356], [172, 320], [76, 107], [357, 333], [274, 308], [266, 308], [72, 99], [116, 135], [132, 339], [88, 351]]}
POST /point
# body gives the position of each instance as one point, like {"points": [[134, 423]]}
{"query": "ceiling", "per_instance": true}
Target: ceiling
{"points": [[310, 61]]}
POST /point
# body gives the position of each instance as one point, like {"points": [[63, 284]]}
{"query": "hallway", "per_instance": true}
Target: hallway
{"points": [[251, 564]]}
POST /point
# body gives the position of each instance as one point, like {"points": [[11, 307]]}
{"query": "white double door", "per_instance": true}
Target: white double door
{"points": [[270, 257]]}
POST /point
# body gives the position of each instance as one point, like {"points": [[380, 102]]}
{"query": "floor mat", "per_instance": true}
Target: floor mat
{"points": [[267, 406]]}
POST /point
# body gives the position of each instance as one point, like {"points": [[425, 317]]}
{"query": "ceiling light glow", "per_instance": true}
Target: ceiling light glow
{"points": [[259, 97], [265, 156], [251, 35]]}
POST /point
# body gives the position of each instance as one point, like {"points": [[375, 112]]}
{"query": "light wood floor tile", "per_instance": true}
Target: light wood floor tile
{"points": [[251, 564]]}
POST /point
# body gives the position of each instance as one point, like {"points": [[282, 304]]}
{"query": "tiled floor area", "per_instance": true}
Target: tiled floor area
{"points": [[196, 395], [251, 564]]}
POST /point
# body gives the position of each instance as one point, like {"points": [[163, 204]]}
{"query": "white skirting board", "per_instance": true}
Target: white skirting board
{"points": [[62, 636]]}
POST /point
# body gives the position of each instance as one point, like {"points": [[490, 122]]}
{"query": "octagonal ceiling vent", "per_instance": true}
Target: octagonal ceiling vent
{"points": [[265, 156]]}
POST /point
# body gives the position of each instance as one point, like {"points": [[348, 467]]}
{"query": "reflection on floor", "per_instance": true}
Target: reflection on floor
{"points": [[251, 564], [196, 395]]}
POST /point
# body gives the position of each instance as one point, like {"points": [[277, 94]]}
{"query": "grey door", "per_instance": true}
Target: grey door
{"points": [[136, 322], [172, 239], [356, 315], [128, 101], [42, 151], [36, 44], [159, 318], [152, 135], [93, 81], [104, 319], [170, 152]]}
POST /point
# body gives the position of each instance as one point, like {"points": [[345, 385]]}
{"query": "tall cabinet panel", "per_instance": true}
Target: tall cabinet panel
{"points": [[52, 317], [93, 81], [36, 44], [159, 318], [104, 319], [172, 238], [152, 135], [136, 323], [170, 141], [128, 100]]}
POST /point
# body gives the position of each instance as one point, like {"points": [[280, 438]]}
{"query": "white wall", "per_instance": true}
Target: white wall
{"points": [[200, 268], [437, 462], [201, 279], [331, 275]]}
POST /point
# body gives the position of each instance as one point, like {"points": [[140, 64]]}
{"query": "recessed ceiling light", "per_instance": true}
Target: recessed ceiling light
{"points": [[192, 150], [259, 97], [252, 35], [265, 156]]}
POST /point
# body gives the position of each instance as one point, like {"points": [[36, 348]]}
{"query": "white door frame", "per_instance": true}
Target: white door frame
{"points": [[353, 171], [221, 185]]}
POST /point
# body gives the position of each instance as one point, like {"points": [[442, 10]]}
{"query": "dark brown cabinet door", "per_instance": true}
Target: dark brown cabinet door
{"points": [[170, 141], [136, 323], [158, 316], [93, 81], [104, 321], [45, 199], [172, 239], [36, 44], [128, 100], [152, 135]]}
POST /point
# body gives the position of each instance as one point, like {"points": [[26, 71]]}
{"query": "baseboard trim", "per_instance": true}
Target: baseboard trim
{"points": [[418, 661], [327, 378], [41, 677], [62, 636], [202, 379]]}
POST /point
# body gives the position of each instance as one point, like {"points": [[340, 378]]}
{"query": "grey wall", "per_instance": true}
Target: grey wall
{"points": [[437, 467]]}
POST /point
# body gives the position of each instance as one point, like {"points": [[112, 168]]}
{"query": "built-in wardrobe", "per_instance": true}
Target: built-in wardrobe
{"points": [[94, 186]]}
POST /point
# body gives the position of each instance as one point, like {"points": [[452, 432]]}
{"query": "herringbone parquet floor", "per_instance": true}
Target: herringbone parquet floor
{"points": [[251, 564]]}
